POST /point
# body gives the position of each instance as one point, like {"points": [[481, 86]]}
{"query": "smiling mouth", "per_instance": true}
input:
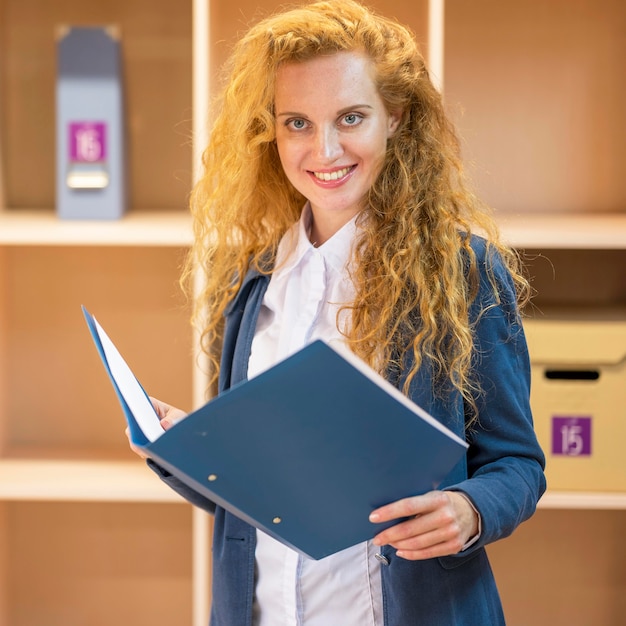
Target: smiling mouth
{"points": [[336, 175]]}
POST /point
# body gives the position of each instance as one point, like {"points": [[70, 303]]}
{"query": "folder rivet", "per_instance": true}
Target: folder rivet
{"points": [[277, 520], [212, 477]]}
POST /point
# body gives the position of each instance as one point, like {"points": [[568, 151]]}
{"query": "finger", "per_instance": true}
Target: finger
{"points": [[418, 539], [436, 524], [415, 532], [167, 422], [173, 417], [159, 407], [397, 533], [409, 507], [167, 414], [430, 552]]}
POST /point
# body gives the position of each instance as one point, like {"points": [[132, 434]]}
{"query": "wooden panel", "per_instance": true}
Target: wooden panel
{"points": [[565, 230], [60, 396], [90, 480], [2, 107], [230, 20], [78, 564], [577, 279], [564, 567], [4, 565], [146, 228], [538, 91], [156, 53], [3, 344]]}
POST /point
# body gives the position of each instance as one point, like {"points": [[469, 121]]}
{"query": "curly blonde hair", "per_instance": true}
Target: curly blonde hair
{"points": [[413, 286]]}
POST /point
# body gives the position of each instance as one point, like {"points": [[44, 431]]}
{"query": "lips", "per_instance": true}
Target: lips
{"points": [[335, 175]]}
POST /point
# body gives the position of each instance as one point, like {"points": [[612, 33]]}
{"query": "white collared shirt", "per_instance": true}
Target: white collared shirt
{"points": [[300, 305]]}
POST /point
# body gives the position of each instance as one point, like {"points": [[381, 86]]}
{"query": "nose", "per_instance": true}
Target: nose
{"points": [[328, 145]]}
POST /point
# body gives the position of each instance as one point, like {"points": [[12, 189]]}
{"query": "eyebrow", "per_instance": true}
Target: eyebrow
{"points": [[340, 112]]}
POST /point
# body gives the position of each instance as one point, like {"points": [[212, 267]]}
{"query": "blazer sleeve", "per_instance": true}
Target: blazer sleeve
{"points": [[505, 463], [189, 494]]}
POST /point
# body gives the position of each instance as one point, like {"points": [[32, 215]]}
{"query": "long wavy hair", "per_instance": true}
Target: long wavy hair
{"points": [[415, 274]]}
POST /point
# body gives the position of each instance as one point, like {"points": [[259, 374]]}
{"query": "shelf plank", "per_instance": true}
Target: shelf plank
{"points": [[583, 500], [172, 228], [139, 228], [564, 231], [132, 481], [84, 481]]}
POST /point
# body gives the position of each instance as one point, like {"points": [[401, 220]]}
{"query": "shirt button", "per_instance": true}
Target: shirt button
{"points": [[383, 559]]}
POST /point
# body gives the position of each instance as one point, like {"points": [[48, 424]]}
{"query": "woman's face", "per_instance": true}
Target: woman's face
{"points": [[331, 132]]}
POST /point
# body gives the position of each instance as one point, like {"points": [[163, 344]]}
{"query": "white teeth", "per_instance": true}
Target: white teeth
{"points": [[332, 175]]}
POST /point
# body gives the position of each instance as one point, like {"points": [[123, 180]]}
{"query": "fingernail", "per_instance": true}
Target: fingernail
{"points": [[374, 517]]}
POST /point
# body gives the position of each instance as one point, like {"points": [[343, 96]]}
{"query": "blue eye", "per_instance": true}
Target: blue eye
{"points": [[297, 124], [351, 119]]}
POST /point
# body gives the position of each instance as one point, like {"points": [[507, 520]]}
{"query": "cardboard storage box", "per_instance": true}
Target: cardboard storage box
{"points": [[578, 396]]}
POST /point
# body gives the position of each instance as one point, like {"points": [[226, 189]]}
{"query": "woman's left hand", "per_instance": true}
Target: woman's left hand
{"points": [[440, 523]]}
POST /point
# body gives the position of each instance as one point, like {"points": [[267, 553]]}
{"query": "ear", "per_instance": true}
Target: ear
{"points": [[395, 117]]}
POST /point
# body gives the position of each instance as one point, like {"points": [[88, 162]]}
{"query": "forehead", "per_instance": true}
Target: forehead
{"points": [[335, 77]]}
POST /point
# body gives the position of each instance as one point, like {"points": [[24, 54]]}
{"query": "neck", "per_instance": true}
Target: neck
{"points": [[320, 231]]}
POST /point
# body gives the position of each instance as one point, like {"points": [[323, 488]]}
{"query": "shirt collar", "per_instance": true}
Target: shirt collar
{"points": [[295, 245]]}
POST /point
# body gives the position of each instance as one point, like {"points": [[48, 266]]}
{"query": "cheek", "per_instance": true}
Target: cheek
{"points": [[375, 141], [287, 154], [290, 164], [284, 161], [374, 152]]}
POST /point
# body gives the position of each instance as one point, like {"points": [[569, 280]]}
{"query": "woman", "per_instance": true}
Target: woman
{"points": [[333, 205]]}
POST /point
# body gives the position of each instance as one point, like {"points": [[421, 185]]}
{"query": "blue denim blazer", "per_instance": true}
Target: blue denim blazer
{"points": [[502, 472]]}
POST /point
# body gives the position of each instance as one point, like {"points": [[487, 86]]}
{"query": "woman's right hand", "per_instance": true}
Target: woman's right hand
{"points": [[168, 416]]}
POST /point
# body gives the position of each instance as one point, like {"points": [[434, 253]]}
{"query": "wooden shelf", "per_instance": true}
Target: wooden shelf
{"points": [[132, 481], [83, 481], [565, 231], [44, 228], [583, 500], [173, 228]]}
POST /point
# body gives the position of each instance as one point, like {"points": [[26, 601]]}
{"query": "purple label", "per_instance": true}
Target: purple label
{"points": [[87, 142], [571, 436]]}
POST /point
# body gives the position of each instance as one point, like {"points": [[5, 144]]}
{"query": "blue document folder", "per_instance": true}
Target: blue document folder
{"points": [[304, 451]]}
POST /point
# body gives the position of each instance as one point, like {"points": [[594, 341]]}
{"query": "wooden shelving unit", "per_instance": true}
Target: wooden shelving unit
{"points": [[87, 533], [545, 153]]}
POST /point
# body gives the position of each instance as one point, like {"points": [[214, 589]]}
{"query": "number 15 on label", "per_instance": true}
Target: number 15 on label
{"points": [[571, 436]]}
